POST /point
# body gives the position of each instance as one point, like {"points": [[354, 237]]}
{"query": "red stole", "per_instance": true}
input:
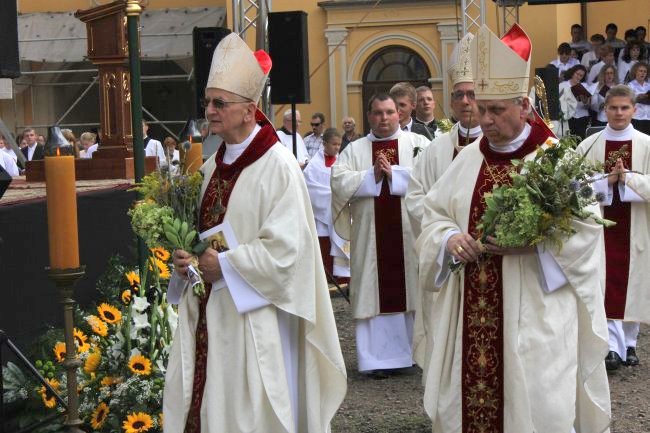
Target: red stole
{"points": [[617, 240], [482, 358], [212, 212], [388, 236], [329, 160]]}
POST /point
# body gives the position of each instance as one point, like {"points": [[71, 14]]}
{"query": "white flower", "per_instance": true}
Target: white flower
{"points": [[140, 304], [172, 319]]}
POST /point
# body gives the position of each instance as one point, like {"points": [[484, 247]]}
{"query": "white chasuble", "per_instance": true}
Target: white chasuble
{"points": [[552, 344], [255, 359]]}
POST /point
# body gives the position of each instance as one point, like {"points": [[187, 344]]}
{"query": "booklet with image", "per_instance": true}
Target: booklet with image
{"points": [[221, 238]]}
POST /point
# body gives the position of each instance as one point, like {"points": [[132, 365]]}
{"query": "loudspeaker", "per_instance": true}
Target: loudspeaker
{"points": [[9, 64], [205, 40], [549, 76], [290, 56]]}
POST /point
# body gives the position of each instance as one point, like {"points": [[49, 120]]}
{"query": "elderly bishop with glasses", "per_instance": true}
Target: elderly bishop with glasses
{"points": [[259, 351]]}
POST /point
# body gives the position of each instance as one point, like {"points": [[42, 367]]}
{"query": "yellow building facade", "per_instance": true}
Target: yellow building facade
{"points": [[357, 47]]}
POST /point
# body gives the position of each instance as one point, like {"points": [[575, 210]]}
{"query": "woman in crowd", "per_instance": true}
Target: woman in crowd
{"points": [[8, 158], [88, 144], [172, 154], [607, 78], [69, 135], [579, 120], [641, 87], [634, 51]]}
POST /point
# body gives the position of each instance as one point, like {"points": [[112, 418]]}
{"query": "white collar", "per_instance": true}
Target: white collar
{"points": [[473, 132], [514, 144], [618, 135], [244, 144], [371, 136]]}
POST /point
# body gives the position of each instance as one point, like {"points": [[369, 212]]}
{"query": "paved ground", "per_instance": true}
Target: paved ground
{"points": [[394, 405]]}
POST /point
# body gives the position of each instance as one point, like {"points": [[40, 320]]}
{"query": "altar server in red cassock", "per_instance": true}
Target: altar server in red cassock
{"points": [[259, 351], [520, 335], [627, 202], [369, 182]]}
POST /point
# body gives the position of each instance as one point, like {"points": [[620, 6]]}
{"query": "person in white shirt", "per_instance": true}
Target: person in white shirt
{"points": [[153, 147], [578, 113], [633, 52], [606, 58], [4, 147], [564, 61], [88, 145], [286, 137], [314, 141], [172, 155], [8, 158], [592, 57], [641, 87], [606, 80]]}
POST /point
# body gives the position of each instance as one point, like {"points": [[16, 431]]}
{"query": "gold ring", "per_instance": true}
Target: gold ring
{"points": [[459, 249]]}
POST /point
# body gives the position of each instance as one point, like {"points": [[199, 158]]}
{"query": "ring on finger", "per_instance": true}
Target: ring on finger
{"points": [[459, 249]]}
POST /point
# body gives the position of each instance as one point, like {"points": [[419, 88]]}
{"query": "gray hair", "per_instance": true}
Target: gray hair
{"points": [[287, 113]]}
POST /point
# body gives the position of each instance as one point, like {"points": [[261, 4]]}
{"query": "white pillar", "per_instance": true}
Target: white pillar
{"points": [[336, 42], [449, 33]]}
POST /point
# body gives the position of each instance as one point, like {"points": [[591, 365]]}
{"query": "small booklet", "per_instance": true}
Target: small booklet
{"points": [[643, 98], [222, 238], [579, 90], [603, 91]]}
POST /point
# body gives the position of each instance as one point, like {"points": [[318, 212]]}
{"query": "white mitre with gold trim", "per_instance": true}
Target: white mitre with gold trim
{"points": [[237, 69], [460, 63], [501, 66]]}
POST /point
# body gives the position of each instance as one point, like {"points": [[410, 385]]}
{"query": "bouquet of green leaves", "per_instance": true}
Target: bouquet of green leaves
{"points": [[167, 214], [546, 194]]}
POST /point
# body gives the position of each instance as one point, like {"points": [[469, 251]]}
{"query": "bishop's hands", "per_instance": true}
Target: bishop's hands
{"points": [[618, 173], [466, 249], [382, 168], [208, 264]]}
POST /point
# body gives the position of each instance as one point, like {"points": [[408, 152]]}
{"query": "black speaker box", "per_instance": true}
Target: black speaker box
{"points": [[549, 76], [205, 40], [9, 64], [289, 53]]}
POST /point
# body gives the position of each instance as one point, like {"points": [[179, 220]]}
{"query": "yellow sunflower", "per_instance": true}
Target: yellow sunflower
{"points": [[98, 418], [92, 361], [140, 365], [48, 398], [126, 296], [109, 314], [163, 269], [134, 280], [82, 341], [99, 327], [137, 422], [59, 351], [111, 380], [161, 253]]}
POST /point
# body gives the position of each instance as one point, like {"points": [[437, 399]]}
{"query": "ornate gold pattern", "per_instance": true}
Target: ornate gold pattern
{"points": [[389, 154]]}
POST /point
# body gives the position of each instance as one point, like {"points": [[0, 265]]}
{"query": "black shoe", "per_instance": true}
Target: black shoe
{"points": [[376, 374], [631, 358], [612, 361]]}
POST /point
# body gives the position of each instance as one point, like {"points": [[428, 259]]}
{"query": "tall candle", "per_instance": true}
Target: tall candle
{"points": [[62, 212], [194, 158]]}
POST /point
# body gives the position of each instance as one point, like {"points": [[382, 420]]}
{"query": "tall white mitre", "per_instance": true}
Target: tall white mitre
{"points": [[460, 63], [501, 66], [237, 69]]}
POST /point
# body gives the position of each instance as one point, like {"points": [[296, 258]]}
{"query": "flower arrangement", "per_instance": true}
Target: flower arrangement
{"points": [[444, 125], [546, 194], [123, 345], [166, 215]]}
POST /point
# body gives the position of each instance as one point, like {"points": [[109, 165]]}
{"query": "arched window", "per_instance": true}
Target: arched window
{"points": [[391, 65]]}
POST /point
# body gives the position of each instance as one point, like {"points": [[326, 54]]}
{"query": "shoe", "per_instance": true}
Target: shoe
{"points": [[376, 374], [612, 361], [631, 358]]}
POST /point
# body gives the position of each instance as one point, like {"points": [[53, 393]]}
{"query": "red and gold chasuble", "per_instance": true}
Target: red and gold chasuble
{"points": [[617, 238], [388, 235], [211, 213], [482, 340]]}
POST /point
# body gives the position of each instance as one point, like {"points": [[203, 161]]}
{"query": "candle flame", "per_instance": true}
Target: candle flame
{"points": [[58, 151], [190, 138]]}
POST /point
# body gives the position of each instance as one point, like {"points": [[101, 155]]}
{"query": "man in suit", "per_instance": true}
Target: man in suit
{"points": [[405, 95], [33, 151]]}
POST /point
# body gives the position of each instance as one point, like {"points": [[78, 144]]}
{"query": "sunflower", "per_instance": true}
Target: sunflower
{"points": [[137, 422], [82, 341], [163, 269], [140, 365], [99, 327], [59, 351], [134, 280], [111, 380], [98, 418], [92, 361], [161, 253], [48, 398], [126, 296], [109, 314]]}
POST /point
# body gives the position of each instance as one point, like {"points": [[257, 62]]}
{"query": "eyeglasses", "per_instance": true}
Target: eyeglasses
{"points": [[219, 103], [459, 94], [314, 125]]}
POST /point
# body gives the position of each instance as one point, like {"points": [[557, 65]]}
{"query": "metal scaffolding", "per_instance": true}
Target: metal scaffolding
{"points": [[508, 13], [473, 15]]}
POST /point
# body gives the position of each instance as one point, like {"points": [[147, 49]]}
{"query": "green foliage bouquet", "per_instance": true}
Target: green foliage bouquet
{"points": [[546, 194], [123, 343]]}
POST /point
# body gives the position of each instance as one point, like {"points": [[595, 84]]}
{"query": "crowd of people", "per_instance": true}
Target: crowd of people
{"points": [[586, 70]]}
